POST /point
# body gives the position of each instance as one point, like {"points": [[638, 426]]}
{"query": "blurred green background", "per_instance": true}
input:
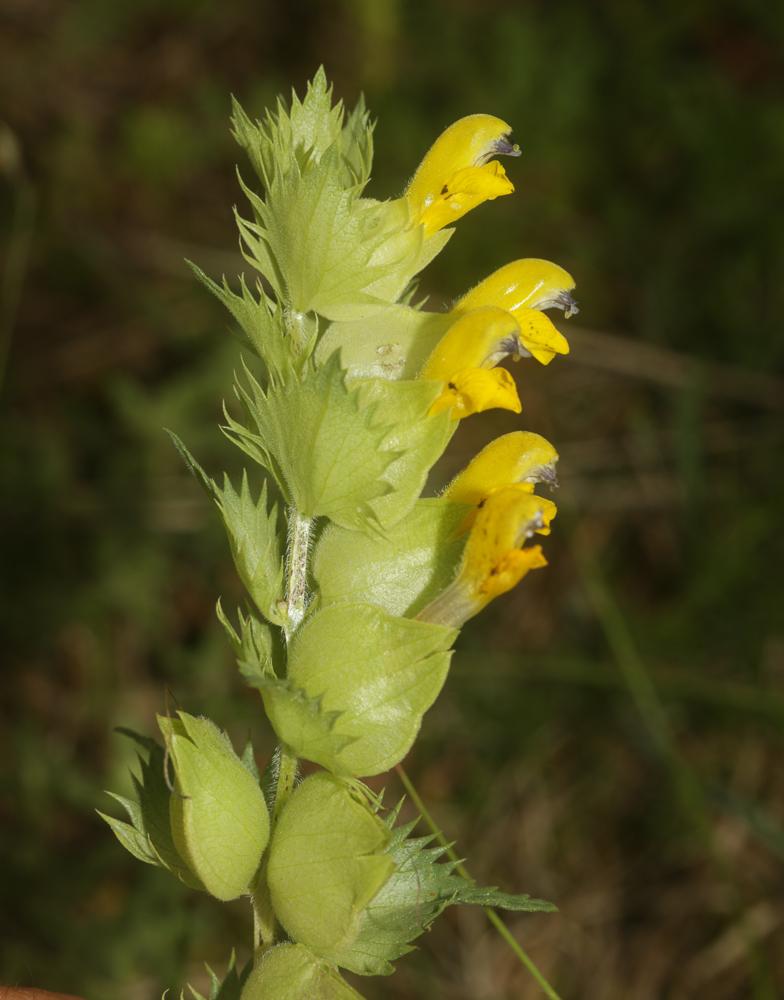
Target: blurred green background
{"points": [[611, 734]]}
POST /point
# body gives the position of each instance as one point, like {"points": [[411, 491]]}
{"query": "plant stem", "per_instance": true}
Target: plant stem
{"points": [[264, 929], [264, 925], [296, 325], [287, 776], [263, 914], [297, 570], [492, 916]]}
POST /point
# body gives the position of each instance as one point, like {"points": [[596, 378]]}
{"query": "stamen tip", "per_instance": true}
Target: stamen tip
{"points": [[569, 305], [505, 147]]}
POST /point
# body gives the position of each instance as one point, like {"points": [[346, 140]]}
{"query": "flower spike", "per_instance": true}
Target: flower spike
{"points": [[465, 359], [458, 172], [524, 288]]}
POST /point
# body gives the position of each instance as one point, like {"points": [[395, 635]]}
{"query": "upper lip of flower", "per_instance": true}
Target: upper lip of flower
{"points": [[525, 288], [560, 299], [519, 457]]}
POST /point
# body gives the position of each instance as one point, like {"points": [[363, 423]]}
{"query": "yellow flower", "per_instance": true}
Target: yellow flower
{"points": [[524, 288], [458, 172], [495, 557], [520, 457], [465, 359]]}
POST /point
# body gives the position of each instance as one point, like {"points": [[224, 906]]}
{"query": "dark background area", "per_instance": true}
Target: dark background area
{"points": [[610, 737]]}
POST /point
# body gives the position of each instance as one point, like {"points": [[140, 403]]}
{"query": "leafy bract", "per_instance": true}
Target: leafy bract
{"points": [[228, 988], [255, 543], [357, 890], [305, 131], [304, 723], [359, 682], [401, 570], [254, 645], [418, 890], [253, 533], [258, 318], [292, 972], [357, 454], [219, 819], [326, 862], [325, 447], [148, 836]]}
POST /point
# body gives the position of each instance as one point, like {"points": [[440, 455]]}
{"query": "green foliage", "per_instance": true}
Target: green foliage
{"points": [[252, 531], [306, 131], [367, 678], [358, 253], [356, 453], [219, 819], [229, 988], [254, 645], [255, 544], [357, 890], [327, 450], [419, 889], [257, 317]]}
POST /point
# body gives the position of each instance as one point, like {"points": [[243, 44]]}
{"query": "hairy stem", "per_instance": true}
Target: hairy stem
{"points": [[297, 570], [263, 914], [287, 777], [297, 596]]}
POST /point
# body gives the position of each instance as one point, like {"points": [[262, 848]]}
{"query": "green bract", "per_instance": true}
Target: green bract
{"points": [[219, 818], [355, 889], [255, 545]]}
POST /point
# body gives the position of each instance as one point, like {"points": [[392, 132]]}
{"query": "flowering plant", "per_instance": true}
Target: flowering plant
{"points": [[357, 583]]}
